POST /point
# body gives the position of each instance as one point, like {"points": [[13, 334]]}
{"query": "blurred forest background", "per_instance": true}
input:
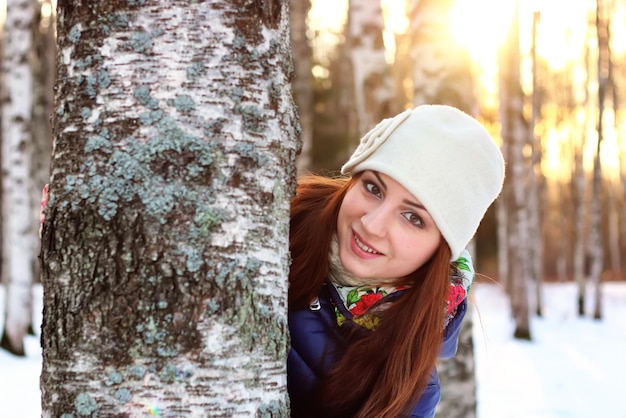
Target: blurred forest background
{"points": [[544, 77]]}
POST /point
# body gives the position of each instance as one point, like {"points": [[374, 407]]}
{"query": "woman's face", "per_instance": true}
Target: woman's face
{"points": [[384, 232]]}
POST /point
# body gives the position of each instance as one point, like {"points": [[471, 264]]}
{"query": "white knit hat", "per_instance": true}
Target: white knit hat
{"points": [[445, 158]]}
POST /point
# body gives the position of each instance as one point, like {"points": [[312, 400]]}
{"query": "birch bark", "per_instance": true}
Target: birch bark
{"points": [[19, 225], [372, 80], [514, 132], [596, 241], [302, 83], [165, 245]]}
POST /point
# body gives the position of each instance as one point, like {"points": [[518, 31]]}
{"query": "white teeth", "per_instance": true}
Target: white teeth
{"points": [[364, 247]]}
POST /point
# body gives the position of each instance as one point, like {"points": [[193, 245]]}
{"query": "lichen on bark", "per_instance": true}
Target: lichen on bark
{"points": [[165, 241]]}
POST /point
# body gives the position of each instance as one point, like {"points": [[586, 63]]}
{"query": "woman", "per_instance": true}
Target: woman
{"points": [[380, 275]]}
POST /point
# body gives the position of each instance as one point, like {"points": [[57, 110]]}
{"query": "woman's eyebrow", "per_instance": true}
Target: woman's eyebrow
{"points": [[380, 180], [414, 204], [408, 202]]}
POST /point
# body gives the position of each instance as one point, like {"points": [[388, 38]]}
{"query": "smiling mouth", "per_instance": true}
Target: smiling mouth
{"points": [[364, 247]]}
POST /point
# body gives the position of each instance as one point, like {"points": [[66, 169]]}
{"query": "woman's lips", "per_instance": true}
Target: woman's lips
{"points": [[362, 248]]}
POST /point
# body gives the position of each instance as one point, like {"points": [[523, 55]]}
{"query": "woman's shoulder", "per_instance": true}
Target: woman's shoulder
{"points": [[318, 316], [313, 338]]}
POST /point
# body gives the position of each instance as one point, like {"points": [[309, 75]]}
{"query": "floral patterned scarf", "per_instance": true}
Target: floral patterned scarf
{"points": [[358, 300], [362, 300]]}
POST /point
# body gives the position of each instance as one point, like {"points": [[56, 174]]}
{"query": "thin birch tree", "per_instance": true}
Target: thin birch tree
{"points": [[535, 178], [44, 56], [371, 76], [302, 83], [514, 132], [165, 243], [19, 225], [580, 189], [596, 242], [614, 200]]}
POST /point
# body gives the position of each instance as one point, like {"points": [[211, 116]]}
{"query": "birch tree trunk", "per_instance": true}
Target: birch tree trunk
{"points": [[373, 89], [19, 225], [402, 73], [535, 178], [612, 200], [43, 97], [613, 204], [580, 193], [502, 217], [579, 187], [165, 245], [343, 98], [515, 134], [441, 76], [302, 83], [596, 243]]}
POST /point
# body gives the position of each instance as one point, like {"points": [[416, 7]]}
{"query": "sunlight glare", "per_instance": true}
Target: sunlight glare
{"points": [[396, 22], [552, 159], [395, 16], [328, 14], [326, 19], [320, 72], [46, 10], [560, 40], [481, 25]]}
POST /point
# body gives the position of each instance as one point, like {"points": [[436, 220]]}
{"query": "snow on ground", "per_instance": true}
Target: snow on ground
{"points": [[19, 376], [573, 368]]}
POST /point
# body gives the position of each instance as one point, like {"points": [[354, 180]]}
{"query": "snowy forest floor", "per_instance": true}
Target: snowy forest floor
{"points": [[573, 367]]}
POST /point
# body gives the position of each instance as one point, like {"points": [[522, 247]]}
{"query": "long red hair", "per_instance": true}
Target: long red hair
{"points": [[381, 373]]}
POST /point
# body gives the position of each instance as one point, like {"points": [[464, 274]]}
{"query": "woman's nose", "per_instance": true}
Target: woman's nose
{"points": [[376, 221]]}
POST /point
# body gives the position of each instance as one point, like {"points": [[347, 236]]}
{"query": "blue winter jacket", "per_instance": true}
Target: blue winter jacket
{"points": [[314, 352]]}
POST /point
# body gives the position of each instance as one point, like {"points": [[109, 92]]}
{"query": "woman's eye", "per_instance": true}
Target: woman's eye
{"points": [[373, 189], [413, 218]]}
